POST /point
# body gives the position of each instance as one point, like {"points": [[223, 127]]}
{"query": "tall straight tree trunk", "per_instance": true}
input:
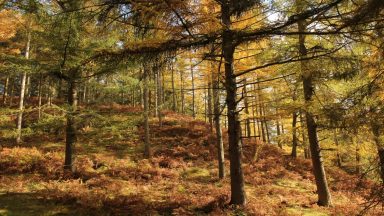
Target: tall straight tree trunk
{"points": [[262, 125], [246, 110], [193, 90], [317, 162], [307, 151], [5, 93], [210, 117], [155, 78], [159, 96], [238, 196], [294, 134], [71, 135], [28, 87], [150, 98], [22, 87], [260, 103], [205, 105], [51, 92], [357, 155], [254, 120], [182, 92], [255, 112], [173, 88], [162, 89], [278, 131], [219, 135], [40, 92], [86, 90], [336, 139], [147, 145], [266, 127], [377, 138], [142, 95], [324, 196], [11, 93], [282, 128]]}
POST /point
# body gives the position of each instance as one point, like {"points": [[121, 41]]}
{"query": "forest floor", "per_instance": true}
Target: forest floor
{"points": [[112, 178]]}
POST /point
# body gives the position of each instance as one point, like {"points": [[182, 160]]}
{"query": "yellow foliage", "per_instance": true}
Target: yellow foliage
{"points": [[9, 23]]}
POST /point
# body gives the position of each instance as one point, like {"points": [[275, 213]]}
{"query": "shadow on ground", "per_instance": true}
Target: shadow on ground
{"points": [[20, 204]]}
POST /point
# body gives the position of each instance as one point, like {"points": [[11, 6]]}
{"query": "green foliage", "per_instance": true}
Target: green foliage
{"points": [[49, 124]]}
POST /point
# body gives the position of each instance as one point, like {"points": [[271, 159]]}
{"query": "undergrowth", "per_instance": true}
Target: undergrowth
{"points": [[112, 178]]}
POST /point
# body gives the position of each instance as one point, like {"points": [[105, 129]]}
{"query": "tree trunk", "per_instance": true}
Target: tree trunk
{"points": [[21, 107], [51, 90], [86, 90], [182, 92], [5, 93], [336, 139], [142, 96], [22, 89], [255, 124], [266, 127], [11, 92], [40, 94], [155, 78], [238, 196], [282, 128], [71, 136], [317, 162], [210, 117], [193, 90], [147, 145], [294, 135], [159, 97], [260, 103], [256, 111], [205, 106], [378, 139], [162, 89], [307, 152], [173, 89], [278, 132], [357, 155], [246, 110], [324, 196], [28, 88], [219, 136]]}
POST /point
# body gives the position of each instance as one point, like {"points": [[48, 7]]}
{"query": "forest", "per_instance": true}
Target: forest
{"points": [[192, 107]]}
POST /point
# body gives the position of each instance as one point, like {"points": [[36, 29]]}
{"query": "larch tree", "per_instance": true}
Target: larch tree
{"points": [[184, 34]]}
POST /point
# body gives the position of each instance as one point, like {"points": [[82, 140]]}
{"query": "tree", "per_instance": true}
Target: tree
{"points": [[230, 37]]}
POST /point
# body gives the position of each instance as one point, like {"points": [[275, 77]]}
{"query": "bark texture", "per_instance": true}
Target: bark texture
{"points": [[238, 196]]}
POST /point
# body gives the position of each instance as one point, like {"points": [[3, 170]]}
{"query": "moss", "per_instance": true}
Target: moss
{"points": [[292, 184], [181, 189], [305, 211], [196, 173]]}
